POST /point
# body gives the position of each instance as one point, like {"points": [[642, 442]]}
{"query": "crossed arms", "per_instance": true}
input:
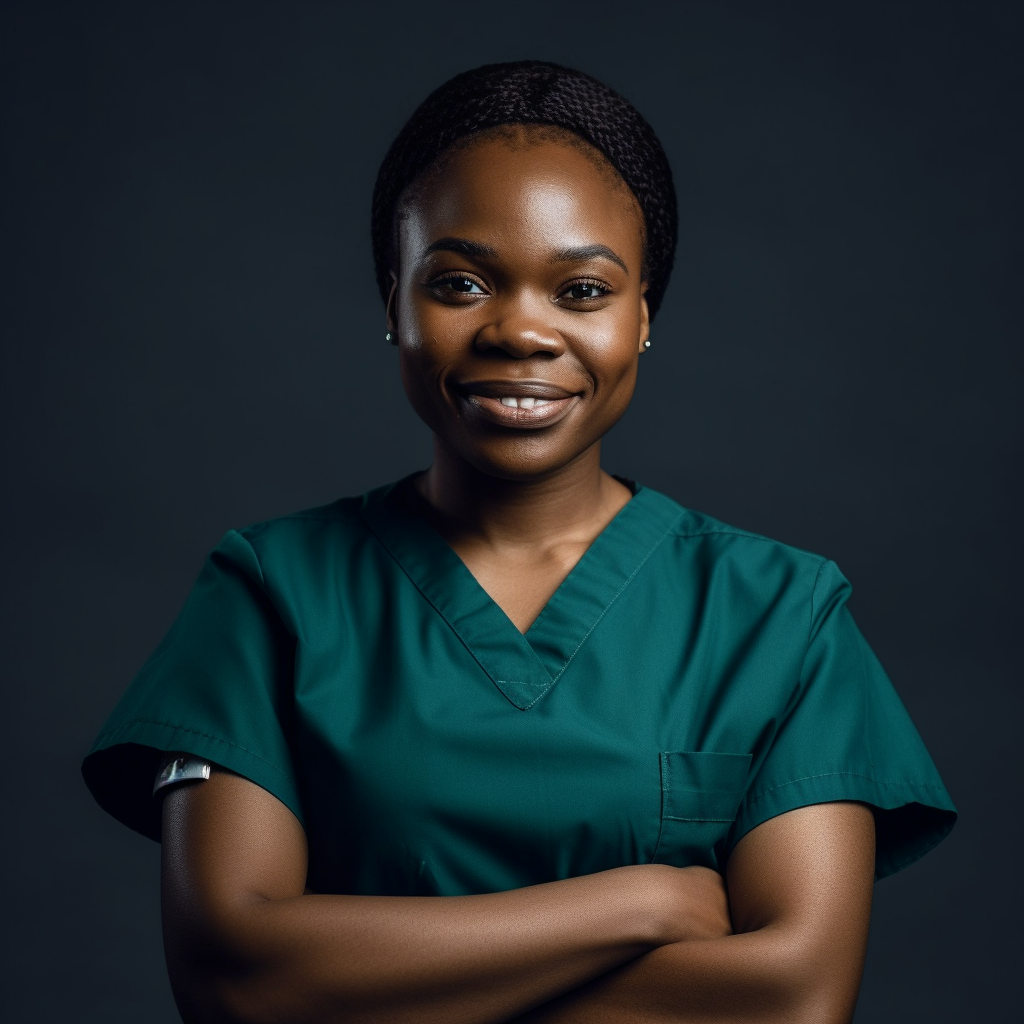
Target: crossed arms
{"points": [[781, 939]]}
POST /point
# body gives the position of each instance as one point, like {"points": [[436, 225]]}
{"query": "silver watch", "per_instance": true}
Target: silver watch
{"points": [[180, 767]]}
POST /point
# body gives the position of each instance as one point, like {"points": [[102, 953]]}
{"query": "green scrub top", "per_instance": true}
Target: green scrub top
{"points": [[686, 682]]}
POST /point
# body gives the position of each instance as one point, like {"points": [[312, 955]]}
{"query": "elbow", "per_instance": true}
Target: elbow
{"points": [[236, 1000], [217, 987], [816, 1009], [815, 989], [219, 978], [819, 1007], [204, 994]]}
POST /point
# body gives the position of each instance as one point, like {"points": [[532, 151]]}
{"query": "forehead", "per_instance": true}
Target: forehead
{"points": [[531, 182], [520, 137]]}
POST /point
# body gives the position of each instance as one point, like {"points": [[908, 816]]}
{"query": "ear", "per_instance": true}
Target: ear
{"points": [[645, 318], [391, 314]]}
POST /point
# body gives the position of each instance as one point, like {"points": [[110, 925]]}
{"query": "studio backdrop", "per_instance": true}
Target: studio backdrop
{"points": [[193, 341]]}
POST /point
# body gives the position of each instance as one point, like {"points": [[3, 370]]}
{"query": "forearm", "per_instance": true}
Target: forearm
{"points": [[418, 959], [761, 977], [800, 890], [246, 943]]}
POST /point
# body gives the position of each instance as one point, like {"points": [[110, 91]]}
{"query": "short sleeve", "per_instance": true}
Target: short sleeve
{"points": [[219, 686], [845, 735]]}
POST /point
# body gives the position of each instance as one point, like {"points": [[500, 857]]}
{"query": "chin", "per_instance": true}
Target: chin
{"points": [[517, 465]]}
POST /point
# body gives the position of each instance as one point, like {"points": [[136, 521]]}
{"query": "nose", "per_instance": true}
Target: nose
{"points": [[520, 329]]}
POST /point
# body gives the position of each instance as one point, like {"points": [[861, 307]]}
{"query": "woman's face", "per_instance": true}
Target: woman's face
{"points": [[519, 304]]}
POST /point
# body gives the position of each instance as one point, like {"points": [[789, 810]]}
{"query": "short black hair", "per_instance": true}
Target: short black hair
{"points": [[532, 92]]}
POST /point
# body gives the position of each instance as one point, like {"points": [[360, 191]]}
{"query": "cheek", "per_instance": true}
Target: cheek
{"points": [[613, 353], [423, 360], [428, 330], [408, 317], [621, 388], [417, 379], [418, 367]]}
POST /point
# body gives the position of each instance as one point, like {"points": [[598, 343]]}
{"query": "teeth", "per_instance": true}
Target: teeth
{"points": [[524, 403]]}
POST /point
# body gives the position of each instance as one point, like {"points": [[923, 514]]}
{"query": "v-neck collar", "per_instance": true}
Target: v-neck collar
{"points": [[522, 666]]}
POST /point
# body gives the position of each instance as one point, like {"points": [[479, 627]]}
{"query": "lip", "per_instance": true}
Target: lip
{"points": [[528, 388], [482, 398]]}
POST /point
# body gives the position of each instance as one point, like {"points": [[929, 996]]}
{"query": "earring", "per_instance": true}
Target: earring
{"points": [[388, 336], [647, 344]]}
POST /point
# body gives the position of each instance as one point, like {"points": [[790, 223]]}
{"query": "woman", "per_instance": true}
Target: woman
{"points": [[514, 738]]}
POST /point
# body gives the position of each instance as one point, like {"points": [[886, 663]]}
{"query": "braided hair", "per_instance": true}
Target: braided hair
{"points": [[531, 92]]}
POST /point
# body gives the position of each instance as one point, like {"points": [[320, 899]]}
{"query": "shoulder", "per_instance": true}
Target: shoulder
{"points": [[310, 540], [703, 530], [339, 520], [712, 549]]}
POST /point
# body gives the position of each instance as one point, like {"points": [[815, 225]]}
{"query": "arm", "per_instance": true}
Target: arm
{"points": [[800, 890], [244, 942]]}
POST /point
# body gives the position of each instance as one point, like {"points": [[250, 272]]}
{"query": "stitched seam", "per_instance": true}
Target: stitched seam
{"points": [[675, 817], [727, 532], [195, 732], [663, 771], [654, 548], [568, 662], [810, 621], [321, 513], [451, 625], [735, 531], [810, 625], [832, 775], [408, 575]]}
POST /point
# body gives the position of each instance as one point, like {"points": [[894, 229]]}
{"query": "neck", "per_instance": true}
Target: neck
{"points": [[468, 503]]}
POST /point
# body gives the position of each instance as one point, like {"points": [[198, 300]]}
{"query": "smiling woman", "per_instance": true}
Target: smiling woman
{"points": [[519, 303], [515, 739]]}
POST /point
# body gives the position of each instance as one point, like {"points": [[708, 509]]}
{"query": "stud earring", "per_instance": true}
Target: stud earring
{"points": [[647, 344], [388, 336]]}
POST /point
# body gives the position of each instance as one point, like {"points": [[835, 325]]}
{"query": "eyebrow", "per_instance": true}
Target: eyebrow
{"points": [[588, 252], [477, 250], [462, 246]]}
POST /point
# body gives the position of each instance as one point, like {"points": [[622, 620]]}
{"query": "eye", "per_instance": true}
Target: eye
{"points": [[457, 284], [463, 285], [585, 291]]}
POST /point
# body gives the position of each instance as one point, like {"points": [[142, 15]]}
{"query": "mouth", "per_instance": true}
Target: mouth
{"points": [[517, 403]]}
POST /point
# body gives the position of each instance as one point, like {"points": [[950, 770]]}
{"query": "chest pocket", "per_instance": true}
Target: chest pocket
{"points": [[700, 794]]}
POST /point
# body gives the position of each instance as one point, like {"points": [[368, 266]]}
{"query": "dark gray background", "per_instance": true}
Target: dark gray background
{"points": [[193, 342]]}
